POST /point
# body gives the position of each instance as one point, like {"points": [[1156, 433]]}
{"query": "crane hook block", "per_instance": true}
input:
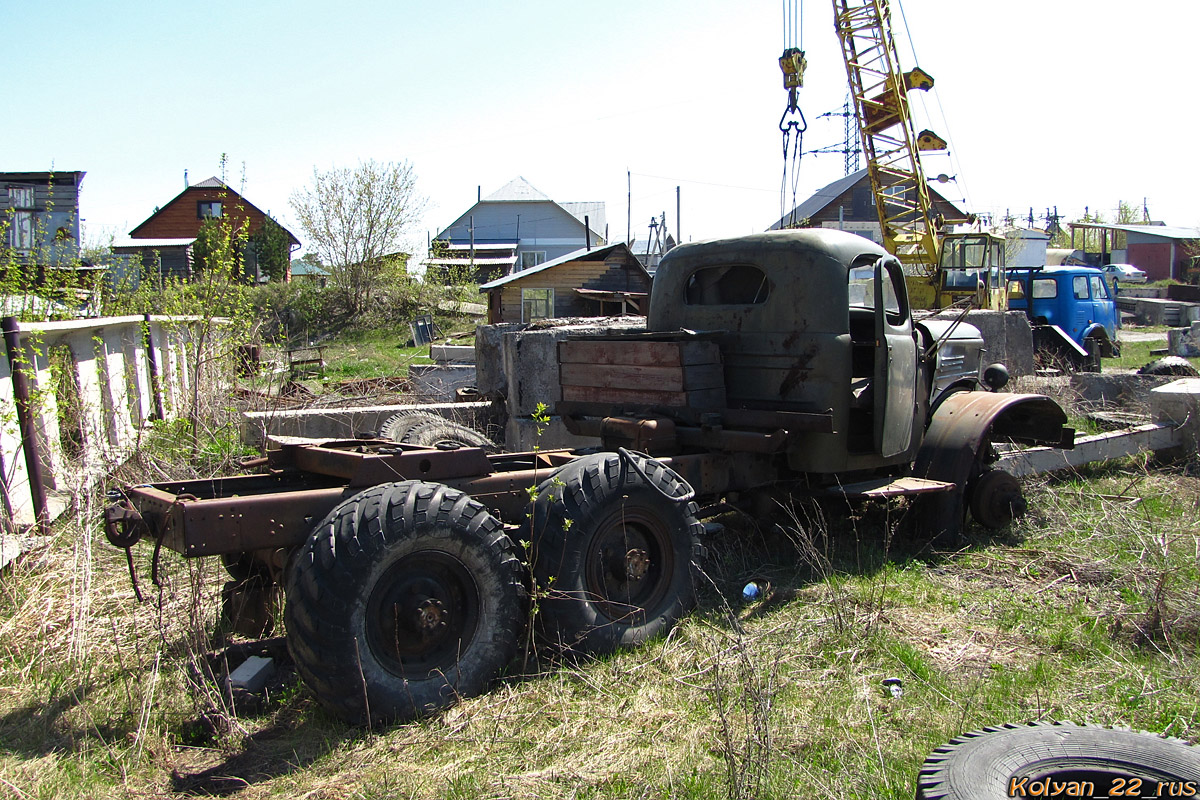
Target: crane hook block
{"points": [[927, 140], [917, 78], [792, 62]]}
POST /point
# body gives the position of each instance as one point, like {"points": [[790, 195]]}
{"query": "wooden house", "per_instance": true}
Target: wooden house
{"points": [[849, 204], [180, 220], [513, 229], [41, 212], [602, 281]]}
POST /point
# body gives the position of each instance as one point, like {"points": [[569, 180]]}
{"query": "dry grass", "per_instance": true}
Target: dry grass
{"points": [[1085, 611]]}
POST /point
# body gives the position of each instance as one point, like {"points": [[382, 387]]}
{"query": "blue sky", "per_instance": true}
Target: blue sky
{"points": [[1059, 102]]}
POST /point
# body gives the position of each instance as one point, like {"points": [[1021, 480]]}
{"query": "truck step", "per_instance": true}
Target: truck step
{"points": [[877, 488]]}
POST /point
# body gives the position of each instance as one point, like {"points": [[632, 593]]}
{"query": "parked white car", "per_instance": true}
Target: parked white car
{"points": [[1125, 273]]}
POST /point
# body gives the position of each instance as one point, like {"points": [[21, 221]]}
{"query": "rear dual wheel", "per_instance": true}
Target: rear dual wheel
{"points": [[616, 552], [405, 598]]}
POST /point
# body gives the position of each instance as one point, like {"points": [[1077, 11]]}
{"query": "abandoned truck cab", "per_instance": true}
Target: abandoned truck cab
{"points": [[818, 321]]}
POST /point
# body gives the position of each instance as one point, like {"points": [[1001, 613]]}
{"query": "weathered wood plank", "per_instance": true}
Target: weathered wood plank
{"points": [[665, 379], [701, 398], [647, 354]]}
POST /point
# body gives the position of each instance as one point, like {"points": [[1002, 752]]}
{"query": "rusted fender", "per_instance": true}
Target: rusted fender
{"points": [[964, 420]]}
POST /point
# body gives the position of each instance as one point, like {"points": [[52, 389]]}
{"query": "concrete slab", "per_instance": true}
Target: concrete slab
{"points": [[452, 353], [252, 674], [437, 383]]}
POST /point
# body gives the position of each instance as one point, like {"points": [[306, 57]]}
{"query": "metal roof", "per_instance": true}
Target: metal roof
{"points": [[492, 245], [595, 254], [518, 190], [212, 183], [1164, 231], [822, 197]]}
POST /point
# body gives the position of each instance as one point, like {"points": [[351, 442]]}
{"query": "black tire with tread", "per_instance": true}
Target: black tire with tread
{"points": [[393, 548], [981, 765], [584, 516], [432, 430], [397, 426], [1170, 365], [444, 433]]}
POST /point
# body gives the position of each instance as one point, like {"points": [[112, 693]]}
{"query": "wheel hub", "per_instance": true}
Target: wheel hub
{"points": [[430, 615], [637, 564]]}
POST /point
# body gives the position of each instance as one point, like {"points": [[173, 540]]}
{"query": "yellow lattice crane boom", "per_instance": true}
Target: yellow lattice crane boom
{"points": [[890, 144]]}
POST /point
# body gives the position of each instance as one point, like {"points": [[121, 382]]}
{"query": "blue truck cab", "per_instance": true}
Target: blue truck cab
{"points": [[1072, 310]]}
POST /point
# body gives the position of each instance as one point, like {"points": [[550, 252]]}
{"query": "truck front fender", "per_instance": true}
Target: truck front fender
{"points": [[964, 421]]}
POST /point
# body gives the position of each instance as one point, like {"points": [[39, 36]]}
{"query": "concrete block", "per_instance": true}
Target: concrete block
{"points": [[1018, 344], [521, 434], [490, 378], [1184, 341], [10, 549], [252, 674], [1007, 338], [1178, 403], [452, 353], [437, 383]]}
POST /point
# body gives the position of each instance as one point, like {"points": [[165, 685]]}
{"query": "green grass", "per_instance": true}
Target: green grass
{"points": [[372, 354]]}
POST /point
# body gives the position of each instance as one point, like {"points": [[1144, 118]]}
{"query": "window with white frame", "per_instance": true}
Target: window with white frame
{"points": [[531, 258], [206, 209], [537, 304]]}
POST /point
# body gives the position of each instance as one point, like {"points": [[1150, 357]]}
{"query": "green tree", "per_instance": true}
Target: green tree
{"points": [[220, 244], [357, 221], [272, 249]]}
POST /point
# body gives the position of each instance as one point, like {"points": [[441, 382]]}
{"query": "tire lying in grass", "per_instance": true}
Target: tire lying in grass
{"points": [[1059, 759], [397, 426], [405, 598], [616, 552], [1170, 365], [432, 430]]}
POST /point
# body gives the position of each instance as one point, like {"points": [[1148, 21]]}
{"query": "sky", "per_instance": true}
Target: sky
{"points": [[1071, 104]]}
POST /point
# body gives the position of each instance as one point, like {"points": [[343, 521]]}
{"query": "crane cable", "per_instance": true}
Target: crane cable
{"points": [[951, 151], [792, 124]]}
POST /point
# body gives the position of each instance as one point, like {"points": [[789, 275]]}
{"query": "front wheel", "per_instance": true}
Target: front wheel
{"points": [[405, 598], [616, 551]]}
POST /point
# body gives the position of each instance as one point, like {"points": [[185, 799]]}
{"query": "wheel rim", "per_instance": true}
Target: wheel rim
{"points": [[996, 499], [422, 614], [629, 564]]}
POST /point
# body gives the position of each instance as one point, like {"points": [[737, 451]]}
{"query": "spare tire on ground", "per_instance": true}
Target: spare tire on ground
{"points": [[432, 430], [1046, 759], [1170, 365]]}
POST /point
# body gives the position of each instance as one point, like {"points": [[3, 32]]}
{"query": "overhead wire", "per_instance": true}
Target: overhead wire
{"points": [[951, 151]]}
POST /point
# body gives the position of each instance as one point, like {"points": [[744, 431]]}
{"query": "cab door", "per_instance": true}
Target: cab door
{"points": [[895, 361]]}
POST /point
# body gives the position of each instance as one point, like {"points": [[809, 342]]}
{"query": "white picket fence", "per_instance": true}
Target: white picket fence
{"points": [[127, 371]]}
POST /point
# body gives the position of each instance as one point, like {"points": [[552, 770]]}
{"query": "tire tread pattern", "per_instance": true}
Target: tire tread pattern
{"points": [[325, 588]]}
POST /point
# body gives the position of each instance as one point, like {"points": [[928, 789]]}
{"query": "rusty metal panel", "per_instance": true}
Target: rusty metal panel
{"points": [[963, 421], [195, 526]]}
